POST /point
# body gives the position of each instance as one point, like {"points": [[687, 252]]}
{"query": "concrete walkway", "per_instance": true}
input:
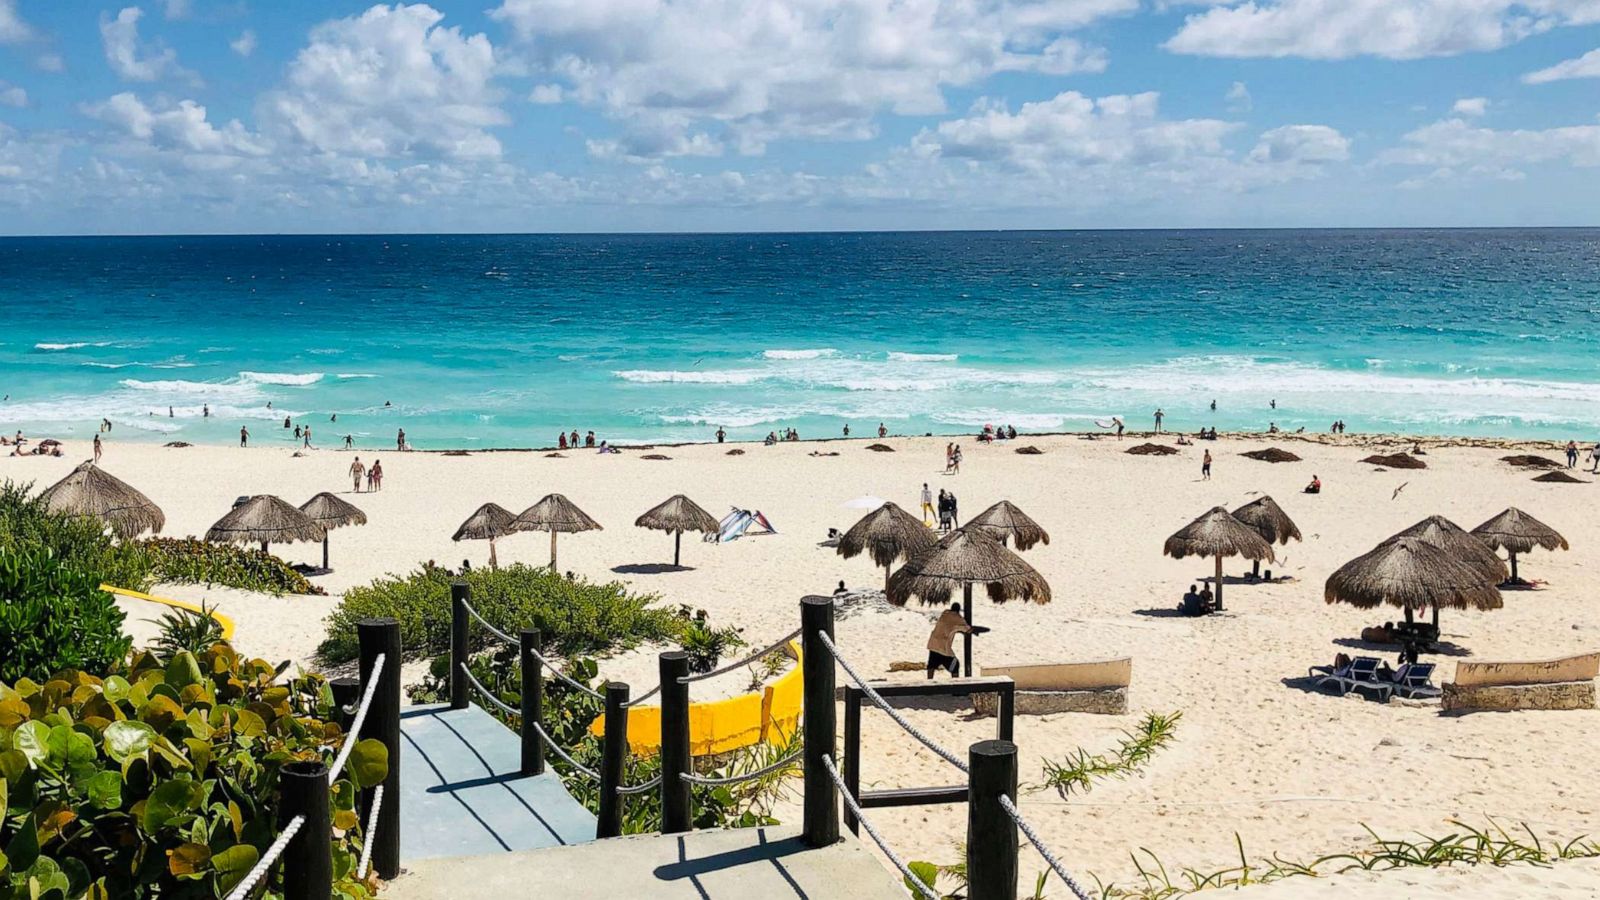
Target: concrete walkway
{"points": [[737, 864], [461, 794]]}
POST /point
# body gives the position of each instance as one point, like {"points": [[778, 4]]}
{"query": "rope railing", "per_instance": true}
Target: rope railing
{"points": [[491, 629], [1044, 851], [628, 789], [487, 694], [550, 742], [922, 889], [248, 884], [372, 830], [762, 772], [353, 736], [878, 701]]}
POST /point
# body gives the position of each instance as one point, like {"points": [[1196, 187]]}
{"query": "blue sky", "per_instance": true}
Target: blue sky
{"points": [[199, 116]]}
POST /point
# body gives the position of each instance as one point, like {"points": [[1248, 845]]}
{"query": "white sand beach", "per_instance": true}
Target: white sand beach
{"points": [[1291, 772]]}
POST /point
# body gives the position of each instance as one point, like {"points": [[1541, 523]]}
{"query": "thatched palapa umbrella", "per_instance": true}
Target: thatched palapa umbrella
{"points": [[1004, 521], [678, 514], [1514, 531], [1409, 572], [1459, 545], [91, 491], [265, 519], [489, 522], [555, 514], [1218, 534], [331, 512], [888, 534], [1266, 518], [966, 557]]}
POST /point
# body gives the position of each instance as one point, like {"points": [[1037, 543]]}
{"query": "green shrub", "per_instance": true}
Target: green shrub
{"points": [[576, 617], [182, 629], [706, 645], [191, 561], [54, 616], [80, 543], [162, 783]]}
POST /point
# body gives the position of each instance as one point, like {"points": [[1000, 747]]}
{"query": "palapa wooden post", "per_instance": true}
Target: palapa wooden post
{"points": [[821, 816], [991, 832], [613, 761], [381, 637], [676, 758], [459, 592], [308, 859], [532, 702], [1219, 582], [966, 639]]}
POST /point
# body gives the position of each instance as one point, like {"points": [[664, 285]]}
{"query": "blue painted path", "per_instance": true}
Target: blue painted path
{"points": [[461, 794]]}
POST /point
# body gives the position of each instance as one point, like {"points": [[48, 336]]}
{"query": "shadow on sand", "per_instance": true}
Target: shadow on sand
{"points": [[649, 568]]}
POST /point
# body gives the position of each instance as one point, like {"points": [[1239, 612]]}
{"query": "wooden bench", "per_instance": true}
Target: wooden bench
{"points": [[1563, 683], [1094, 686]]}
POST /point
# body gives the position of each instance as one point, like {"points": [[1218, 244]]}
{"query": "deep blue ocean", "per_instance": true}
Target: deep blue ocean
{"points": [[502, 341]]}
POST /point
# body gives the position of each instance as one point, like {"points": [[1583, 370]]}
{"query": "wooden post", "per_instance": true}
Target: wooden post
{"points": [[532, 703], [991, 832], [613, 760], [1219, 582], [676, 758], [382, 637], [552, 549], [1006, 712], [459, 592], [966, 639], [821, 818], [852, 755], [325, 551], [1513, 554], [677, 548], [346, 691], [308, 860]]}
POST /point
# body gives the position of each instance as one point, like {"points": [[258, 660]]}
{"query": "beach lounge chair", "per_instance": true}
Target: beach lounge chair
{"points": [[1360, 675], [1414, 681]]}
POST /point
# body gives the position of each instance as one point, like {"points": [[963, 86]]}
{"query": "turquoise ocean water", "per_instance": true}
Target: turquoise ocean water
{"points": [[502, 341]]}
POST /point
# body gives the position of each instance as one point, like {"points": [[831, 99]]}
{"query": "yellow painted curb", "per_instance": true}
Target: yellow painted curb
{"points": [[224, 621]]}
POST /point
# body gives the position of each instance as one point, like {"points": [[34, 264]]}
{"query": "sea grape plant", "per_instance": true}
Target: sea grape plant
{"points": [[163, 781]]}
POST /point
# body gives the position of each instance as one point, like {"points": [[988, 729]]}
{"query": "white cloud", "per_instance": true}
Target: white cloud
{"points": [[389, 83], [1585, 66], [1308, 144], [13, 30], [546, 94], [181, 127], [177, 9], [132, 59], [1239, 99], [762, 70], [51, 62], [1456, 146], [244, 44], [1471, 106], [1395, 29], [13, 96], [1073, 130]]}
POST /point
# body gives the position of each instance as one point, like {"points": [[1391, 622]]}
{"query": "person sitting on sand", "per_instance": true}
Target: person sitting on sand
{"points": [[1272, 428], [1416, 449], [1184, 442], [1191, 603], [941, 643], [1208, 602], [1315, 487], [772, 438], [841, 589]]}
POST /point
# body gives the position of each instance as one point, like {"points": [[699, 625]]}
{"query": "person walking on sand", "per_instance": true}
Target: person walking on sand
{"points": [[949, 457], [941, 643], [1594, 455], [1572, 454], [308, 437], [1159, 416], [955, 460], [376, 476], [244, 436], [357, 471], [927, 505], [1205, 467], [97, 449]]}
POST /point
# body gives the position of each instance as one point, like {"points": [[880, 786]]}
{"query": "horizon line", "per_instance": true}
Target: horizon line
{"points": [[813, 231]]}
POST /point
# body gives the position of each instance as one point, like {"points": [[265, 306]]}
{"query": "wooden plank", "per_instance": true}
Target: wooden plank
{"points": [[1583, 667], [955, 687], [955, 793]]}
